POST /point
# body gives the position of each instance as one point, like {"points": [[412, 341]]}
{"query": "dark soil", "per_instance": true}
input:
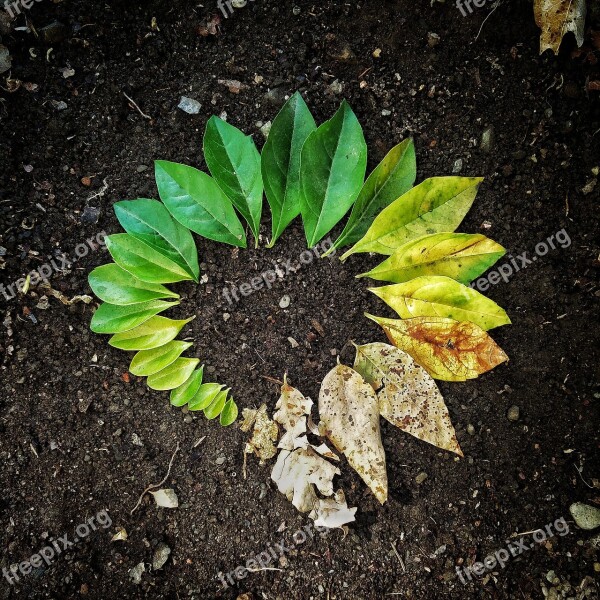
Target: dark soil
{"points": [[77, 436]]}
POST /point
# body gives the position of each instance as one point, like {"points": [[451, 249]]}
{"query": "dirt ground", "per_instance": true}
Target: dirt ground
{"points": [[78, 437]]}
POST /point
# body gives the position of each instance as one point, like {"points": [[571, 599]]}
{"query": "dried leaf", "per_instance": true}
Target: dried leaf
{"points": [[166, 498], [293, 408], [332, 512], [557, 17], [445, 348], [408, 396], [350, 419], [264, 433]]}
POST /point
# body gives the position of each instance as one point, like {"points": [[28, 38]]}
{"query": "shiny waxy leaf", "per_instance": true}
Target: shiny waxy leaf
{"points": [[143, 261], [280, 162], [438, 296], [349, 415], [391, 178], [408, 397], [150, 221], [198, 203], [111, 318], [461, 256], [436, 205], [216, 406], [445, 348], [155, 332], [173, 375], [229, 413], [114, 285], [332, 170], [187, 390], [148, 362], [204, 396], [234, 163]]}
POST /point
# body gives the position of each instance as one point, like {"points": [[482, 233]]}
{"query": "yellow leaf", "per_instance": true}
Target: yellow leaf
{"points": [[445, 348], [557, 17]]}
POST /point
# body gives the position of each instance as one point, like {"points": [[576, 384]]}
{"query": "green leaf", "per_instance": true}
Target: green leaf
{"points": [[115, 285], [110, 318], [173, 375], [186, 391], [332, 170], [391, 178], [461, 256], [234, 163], [214, 409], [148, 362], [280, 162], [143, 261], [205, 395], [229, 413], [150, 221], [436, 205], [155, 332], [198, 203], [438, 296]]}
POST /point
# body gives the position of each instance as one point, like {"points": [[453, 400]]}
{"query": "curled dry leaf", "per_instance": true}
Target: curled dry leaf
{"points": [[350, 419], [332, 512], [264, 433], [408, 397], [557, 17], [445, 348], [292, 410]]}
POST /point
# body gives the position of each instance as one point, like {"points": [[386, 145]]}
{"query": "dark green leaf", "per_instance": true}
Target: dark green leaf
{"points": [[186, 391]]}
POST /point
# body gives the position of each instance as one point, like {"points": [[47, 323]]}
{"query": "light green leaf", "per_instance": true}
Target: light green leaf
{"points": [[150, 221], [186, 391], [114, 285], [438, 296], [332, 170], [148, 362], [143, 261], [391, 178], [110, 318], [229, 413], [155, 332], [216, 406], [280, 162], [437, 205], [234, 163], [461, 256], [173, 375], [198, 203], [205, 395]]}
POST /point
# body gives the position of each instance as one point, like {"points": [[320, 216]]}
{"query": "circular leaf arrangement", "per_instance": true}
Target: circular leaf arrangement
{"points": [[317, 173]]}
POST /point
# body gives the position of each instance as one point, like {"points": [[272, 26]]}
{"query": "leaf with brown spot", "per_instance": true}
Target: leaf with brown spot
{"points": [[445, 348], [408, 397], [350, 419], [292, 409], [556, 18]]}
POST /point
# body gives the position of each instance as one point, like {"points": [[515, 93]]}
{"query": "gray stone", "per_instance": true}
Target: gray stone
{"points": [[513, 413], [5, 59], [135, 574], [487, 139], [189, 105], [586, 516], [161, 555]]}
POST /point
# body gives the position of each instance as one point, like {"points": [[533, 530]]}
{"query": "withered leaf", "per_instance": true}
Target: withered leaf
{"points": [[292, 410], [557, 17], [264, 433]]}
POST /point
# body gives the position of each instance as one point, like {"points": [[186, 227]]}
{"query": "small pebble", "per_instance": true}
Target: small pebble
{"points": [[239, 3], [135, 574], [336, 87], [220, 460], [487, 139], [265, 129], [386, 113], [296, 10], [284, 302], [471, 429], [586, 516], [226, 317], [513, 413], [161, 555], [189, 105], [458, 165], [421, 477]]}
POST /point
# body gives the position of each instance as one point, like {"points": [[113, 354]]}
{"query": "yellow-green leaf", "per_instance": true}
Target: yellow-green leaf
{"points": [[445, 348], [461, 256], [216, 406], [186, 391], [173, 375], [436, 205], [438, 296], [205, 395], [147, 362], [155, 332], [111, 318], [229, 413], [408, 397]]}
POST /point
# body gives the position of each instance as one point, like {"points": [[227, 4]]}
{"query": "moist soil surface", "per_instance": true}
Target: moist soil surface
{"points": [[79, 436]]}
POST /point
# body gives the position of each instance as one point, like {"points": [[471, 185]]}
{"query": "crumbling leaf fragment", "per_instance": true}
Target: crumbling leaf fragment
{"points": [[556, 18], [264, 433], [292, 410], [332, 512]]}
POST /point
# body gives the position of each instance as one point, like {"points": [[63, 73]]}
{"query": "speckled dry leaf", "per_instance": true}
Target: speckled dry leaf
{"points": [[332, 512], [297, 473], [350, 419], [445, 348], [408, 396], [322, 449], [557, 17], [264, 433], [292, 409]]}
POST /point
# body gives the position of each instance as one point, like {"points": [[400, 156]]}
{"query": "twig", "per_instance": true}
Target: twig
{"points": [[498, 3], [155, 485], [399, 557], [138, 108]]}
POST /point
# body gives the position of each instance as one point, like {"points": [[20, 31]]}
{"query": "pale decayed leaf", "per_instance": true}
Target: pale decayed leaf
{"points": [[350, 419], [322, 449], [165, 498], [264, 433], [292, 409], [557, 17], [445, 348], [332, 512], [408, 396]]}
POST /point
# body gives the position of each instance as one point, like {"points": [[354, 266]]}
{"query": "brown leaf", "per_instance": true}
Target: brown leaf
{"points": [[557, 17]]}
